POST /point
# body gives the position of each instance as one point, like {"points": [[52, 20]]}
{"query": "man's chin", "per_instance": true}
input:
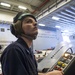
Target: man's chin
{"points": [[31, 37], [34, 37]]}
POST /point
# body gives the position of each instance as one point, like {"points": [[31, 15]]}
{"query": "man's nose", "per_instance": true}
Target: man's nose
{"points": [[35, 24]]}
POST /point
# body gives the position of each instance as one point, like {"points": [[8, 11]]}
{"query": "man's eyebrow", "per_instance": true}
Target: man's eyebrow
{"points": [[27, 19]]}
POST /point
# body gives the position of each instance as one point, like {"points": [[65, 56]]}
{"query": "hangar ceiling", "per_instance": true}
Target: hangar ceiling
{"points": [[65, 13], [65, 21], [33, 6]]}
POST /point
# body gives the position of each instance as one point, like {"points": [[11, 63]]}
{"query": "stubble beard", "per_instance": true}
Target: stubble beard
{"points": [[30, 36]]}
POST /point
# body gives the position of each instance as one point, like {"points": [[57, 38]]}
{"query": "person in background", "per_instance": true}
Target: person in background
{"points": [[18, 57]]}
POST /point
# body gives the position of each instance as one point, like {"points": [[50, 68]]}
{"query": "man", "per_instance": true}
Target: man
{"points": [[18, 58]]}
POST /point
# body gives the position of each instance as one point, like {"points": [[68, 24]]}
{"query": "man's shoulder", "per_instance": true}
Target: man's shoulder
{"points": [[15, 46], [12, 48]]}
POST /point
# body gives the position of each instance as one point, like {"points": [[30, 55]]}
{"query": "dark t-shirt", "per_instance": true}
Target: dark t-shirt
{"points": [[18, 59]]}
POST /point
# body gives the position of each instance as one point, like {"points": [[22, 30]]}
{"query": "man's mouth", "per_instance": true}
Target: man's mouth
{"points": [[35, 28]]}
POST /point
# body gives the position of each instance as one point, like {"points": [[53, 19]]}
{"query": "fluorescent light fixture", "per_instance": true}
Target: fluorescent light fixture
{"points": [[55, 18], [65, 31], [22, 7], [57, 26], [72, 7], [5, 4], [74, 19], [41, 24]]}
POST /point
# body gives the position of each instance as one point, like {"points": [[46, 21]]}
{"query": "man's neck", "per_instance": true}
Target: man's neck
{"points": [[29, 42]]}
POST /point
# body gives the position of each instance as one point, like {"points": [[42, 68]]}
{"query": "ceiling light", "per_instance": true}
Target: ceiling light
{"points": [[5, 4], [72, 7], [55, 18], [41, 24], [57, 26], [74, 19], [21, 7], [65, 31]]}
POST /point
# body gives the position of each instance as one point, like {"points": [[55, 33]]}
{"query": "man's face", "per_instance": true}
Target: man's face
{"points": [[29, 26]]}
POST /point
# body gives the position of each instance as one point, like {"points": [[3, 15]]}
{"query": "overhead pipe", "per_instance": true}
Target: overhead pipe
{"points": [[45, 2]]}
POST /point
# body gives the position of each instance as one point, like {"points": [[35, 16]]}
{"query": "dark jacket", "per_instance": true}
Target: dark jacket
{"points": [[18, 59]]}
